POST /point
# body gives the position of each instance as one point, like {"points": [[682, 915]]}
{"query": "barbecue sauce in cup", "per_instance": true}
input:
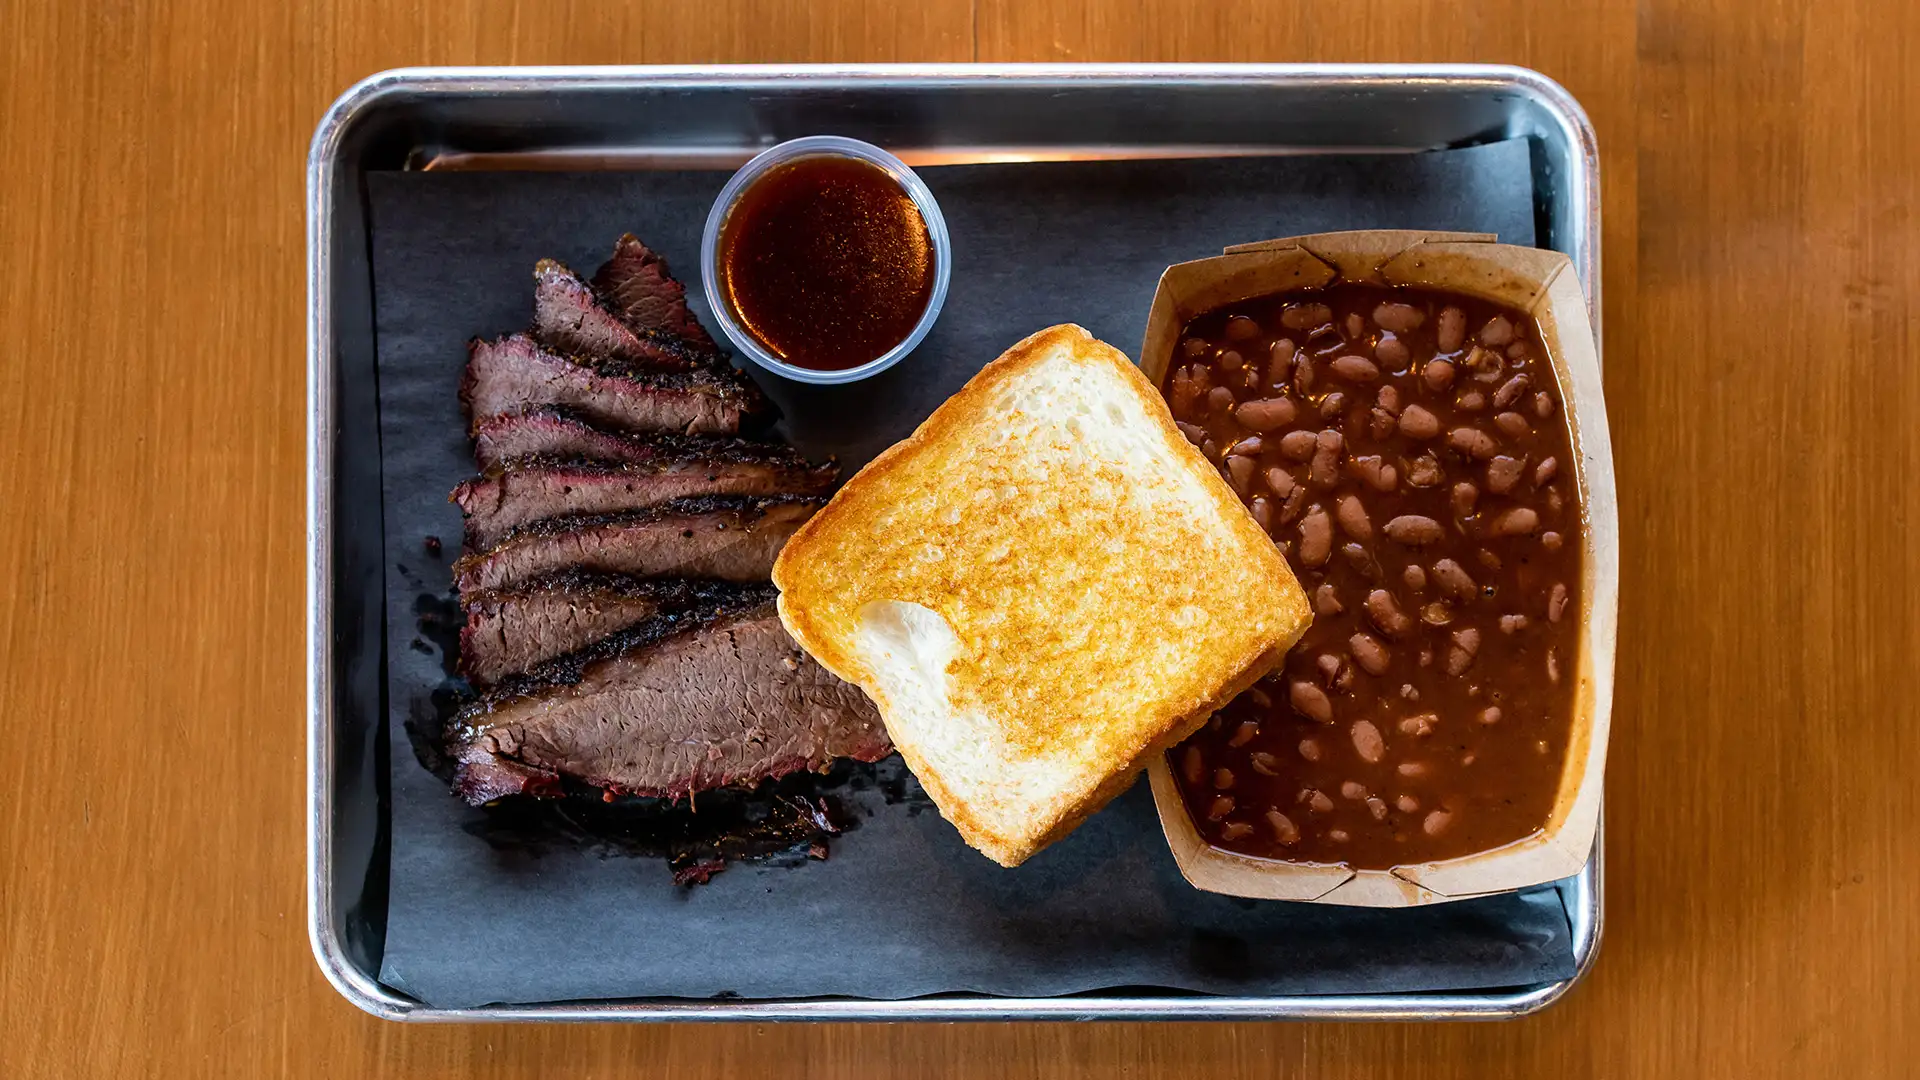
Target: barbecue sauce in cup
{"points": [[827, 262]]}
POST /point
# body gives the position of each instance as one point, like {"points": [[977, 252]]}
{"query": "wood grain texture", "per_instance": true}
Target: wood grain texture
{"points": [[1763, 312]]}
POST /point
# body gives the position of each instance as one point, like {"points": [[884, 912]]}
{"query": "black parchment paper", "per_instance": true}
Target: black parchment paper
{"points": [[477, 914]]}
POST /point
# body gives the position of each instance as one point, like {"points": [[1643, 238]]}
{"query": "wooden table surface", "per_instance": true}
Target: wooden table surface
{"points": [[1762, 287]]}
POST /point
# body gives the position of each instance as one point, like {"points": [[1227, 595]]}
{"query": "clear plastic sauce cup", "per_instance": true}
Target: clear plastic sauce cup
{"points": [[796, 150]]}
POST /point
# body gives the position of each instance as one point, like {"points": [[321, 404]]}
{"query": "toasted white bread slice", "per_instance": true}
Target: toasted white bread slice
{"points": [[1041, 587]]}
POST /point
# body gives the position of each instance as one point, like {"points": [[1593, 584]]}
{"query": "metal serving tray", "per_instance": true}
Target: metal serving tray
{"points": [[637, 117]]}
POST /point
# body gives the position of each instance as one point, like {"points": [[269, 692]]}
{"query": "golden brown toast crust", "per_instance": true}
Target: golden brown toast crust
{"points": [[1068, 623]]}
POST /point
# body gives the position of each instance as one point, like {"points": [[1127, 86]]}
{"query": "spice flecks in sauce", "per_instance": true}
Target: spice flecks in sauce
{"points": [[826, 261]]}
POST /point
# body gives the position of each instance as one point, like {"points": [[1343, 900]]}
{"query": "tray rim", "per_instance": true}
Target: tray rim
{"points": [[1585, 902]]}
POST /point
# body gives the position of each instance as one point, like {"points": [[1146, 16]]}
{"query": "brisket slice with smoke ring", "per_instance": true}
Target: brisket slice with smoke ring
{"points": [[713, 696], [535, 489], [732, 538], [569, 318], [636, 286], [513, 374], [563, 433], [509, 631], [556, 432]]}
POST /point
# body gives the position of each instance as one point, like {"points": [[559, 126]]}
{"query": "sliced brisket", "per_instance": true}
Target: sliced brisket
{"points": [[511, 630], [569, 318], [555, 432], [635, 284], [683, 703], [730, 537], [562, 433], [514, 374], [618, 606], [535, 489]]}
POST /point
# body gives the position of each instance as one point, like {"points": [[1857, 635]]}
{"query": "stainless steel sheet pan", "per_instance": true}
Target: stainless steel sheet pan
{"points": [[639, 118]]}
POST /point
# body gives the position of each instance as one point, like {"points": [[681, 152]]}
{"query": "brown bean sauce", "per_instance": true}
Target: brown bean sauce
{"points": [[826, 261], [1408, 451]]}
